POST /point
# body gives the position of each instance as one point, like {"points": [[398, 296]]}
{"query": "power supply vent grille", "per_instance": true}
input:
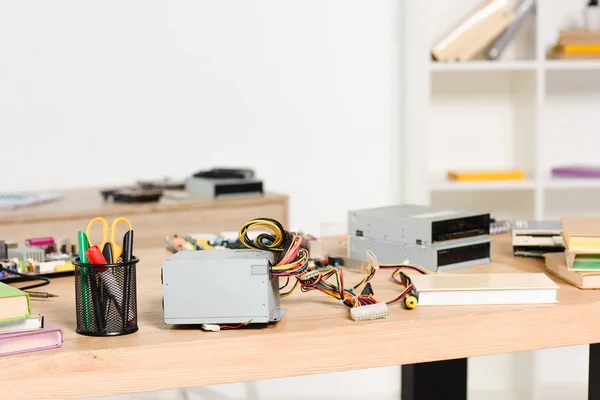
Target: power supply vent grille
{"points": [[274, 296]]}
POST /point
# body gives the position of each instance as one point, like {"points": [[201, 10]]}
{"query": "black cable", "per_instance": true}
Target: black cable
{"points": [[45, 281], [287, 281]]}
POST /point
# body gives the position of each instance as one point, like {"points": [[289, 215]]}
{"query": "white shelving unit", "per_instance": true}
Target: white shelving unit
{"points": [[522, 111]]}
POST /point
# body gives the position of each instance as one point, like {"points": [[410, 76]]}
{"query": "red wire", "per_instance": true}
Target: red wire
{"points": [[234, 326]]}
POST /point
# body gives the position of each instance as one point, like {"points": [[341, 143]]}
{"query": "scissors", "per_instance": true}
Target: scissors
{"points": [[116, 249]]}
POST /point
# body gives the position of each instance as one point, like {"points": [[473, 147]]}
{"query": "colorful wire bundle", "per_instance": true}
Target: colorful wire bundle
{"points": [[290, 258], [291, 261]]}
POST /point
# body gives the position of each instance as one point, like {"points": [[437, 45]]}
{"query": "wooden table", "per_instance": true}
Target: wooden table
{"points": [[315, 336], [151, 221]]}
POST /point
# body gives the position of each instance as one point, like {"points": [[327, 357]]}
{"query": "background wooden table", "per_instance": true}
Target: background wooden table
{"points": [[151, 221], [315, 336]]}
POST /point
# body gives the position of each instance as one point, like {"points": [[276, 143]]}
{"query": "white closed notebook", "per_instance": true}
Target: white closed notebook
{"points": [[33, 323], [484, 289]]}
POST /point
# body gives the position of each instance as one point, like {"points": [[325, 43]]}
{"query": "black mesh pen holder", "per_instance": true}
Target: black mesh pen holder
{"points": [[105, 298]]}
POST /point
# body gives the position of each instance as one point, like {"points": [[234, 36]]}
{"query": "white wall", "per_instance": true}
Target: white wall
{"points": [[305, 91], [302, 91]]}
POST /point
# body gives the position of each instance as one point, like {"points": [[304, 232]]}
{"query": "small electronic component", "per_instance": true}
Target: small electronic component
{"points": [[40, 242], [38, 260], [438, 239], [164, 184], [438, 257], [27, 253], [535, 238], [132, 195], [3, 250], [64, 245], [58, 257], [48, 267], [497, 227], [202, 241], [223, 181], [416, 224], [46, 243]]}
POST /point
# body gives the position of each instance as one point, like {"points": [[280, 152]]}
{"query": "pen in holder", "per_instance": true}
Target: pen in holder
{"points": [[106, 298]]}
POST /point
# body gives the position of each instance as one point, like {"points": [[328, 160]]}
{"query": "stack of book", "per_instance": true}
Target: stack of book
{"points": [[577, 45], [20, 330], [483, 33], [580, 263]]}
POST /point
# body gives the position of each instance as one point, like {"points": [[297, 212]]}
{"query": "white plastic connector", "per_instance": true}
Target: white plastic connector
{"points": [[372, 259], [310, 274], [211, 327], [372, 311]]}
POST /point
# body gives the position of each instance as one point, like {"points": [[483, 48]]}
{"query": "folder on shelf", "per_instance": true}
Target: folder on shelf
{"points": [[581, 234], [556, 264], [576, 171], [475, 32], [492, 175]]}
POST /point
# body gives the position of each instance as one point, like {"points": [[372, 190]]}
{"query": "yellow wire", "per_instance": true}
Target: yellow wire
{"points": [[291, 290], [261, 223]]}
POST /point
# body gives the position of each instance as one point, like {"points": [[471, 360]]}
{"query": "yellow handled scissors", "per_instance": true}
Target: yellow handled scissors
{"points": [[117, 249]]}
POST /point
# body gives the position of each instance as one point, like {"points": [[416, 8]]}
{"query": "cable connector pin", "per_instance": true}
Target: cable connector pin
{"points": [[310, 274], [211, 327], [372, 259], [370, 312]]}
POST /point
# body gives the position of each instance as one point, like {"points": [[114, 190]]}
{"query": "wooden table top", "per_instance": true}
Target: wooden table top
{"points": [[88, 203], [315, 336]]}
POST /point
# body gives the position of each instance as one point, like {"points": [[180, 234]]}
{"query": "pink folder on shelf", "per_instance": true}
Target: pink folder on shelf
{"points": [[23, 342], [576, 171]]}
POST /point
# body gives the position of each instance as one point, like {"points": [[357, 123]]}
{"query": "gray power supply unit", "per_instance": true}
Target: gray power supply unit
{"points": [[416, 224], [438, 257], [220, 287]]}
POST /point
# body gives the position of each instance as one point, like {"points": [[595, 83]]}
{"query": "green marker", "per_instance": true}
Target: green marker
{"points": [[84, 245]]}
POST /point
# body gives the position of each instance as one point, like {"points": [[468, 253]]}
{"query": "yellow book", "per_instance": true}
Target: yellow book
{"points": [[497, 175], [581, 234], [579, 48]]}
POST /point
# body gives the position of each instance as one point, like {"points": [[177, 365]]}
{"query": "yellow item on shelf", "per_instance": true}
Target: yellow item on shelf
{"points": [[579, 48], [499, 175]]}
